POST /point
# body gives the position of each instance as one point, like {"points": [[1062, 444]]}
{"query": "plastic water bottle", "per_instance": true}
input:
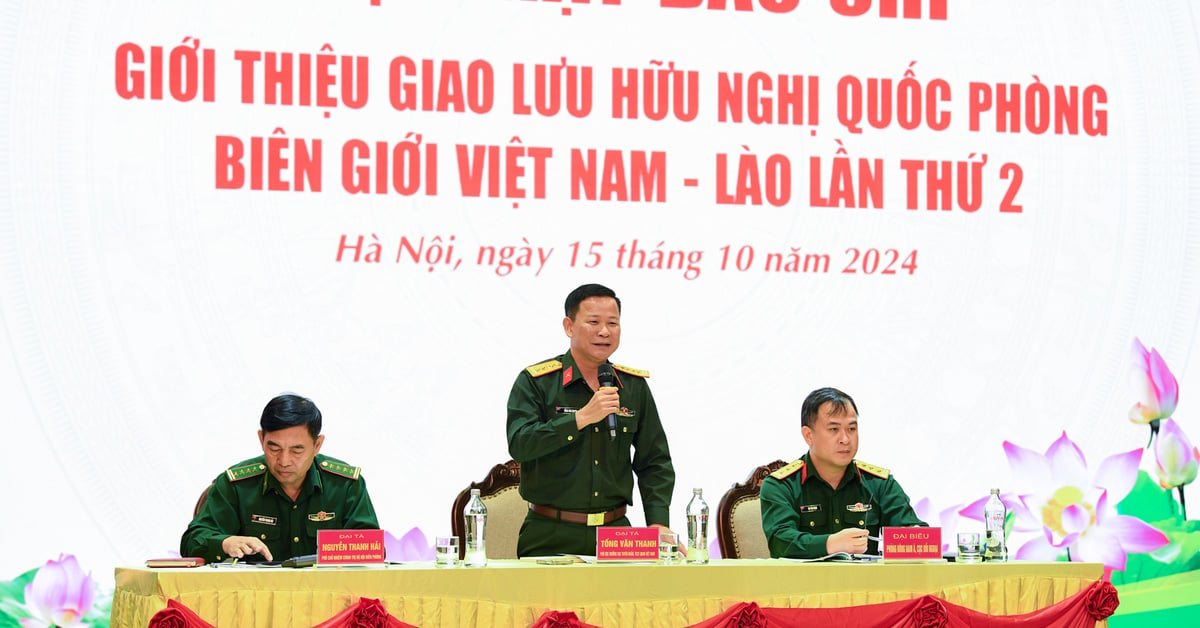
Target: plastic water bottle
{"points": [[476, 518], [697, 523], [994, 513]]}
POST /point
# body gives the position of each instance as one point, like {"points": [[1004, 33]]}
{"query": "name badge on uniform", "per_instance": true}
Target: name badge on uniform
{"points": [[859, 507], [263, 519], [810, 508], [565, 410], [321, 516]]}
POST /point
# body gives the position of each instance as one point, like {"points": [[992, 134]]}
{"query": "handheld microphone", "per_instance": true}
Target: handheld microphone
{"points": [[606, 377]]}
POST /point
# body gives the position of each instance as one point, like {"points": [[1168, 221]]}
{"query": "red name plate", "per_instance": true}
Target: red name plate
{"points": [[911, 543], [626, 544], [349, 547]]}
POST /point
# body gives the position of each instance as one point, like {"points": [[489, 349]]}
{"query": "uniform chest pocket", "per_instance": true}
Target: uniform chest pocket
{"points": [[263, 527], [627, 428], [857, 516], [814, 518], [322, 520]]}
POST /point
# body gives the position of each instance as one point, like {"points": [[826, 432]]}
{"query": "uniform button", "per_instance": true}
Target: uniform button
{"points": [[596, 461], [860, 522], [218, 558], [570, 438], [836, 521], [624, 429], [295, 506], [812, 524], [595, 493], [595, 429], [295, 539], [264, 537]]}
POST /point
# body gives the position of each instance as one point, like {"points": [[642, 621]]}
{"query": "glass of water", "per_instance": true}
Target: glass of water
{"points": [[668, 548], [969, 546], [445, 551]]}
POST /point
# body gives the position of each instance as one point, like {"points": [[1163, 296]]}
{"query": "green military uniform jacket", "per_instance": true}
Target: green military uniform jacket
{"points": [[247, 500], [584, 470], [800, 510]]}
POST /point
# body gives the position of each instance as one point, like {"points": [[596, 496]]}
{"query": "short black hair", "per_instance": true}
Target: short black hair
{"points": [[817, 398], [587, 291], [289, 410]]}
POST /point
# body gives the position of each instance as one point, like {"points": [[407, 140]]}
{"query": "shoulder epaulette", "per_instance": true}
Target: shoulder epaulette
{"points": [[878, 472], [341, 468], [632, 371], [787, 469], [242, 472], [549, 366]]}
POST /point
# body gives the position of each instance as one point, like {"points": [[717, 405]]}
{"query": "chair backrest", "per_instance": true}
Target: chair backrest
{"points": [[739, 517], [506, 510], [200, 502]]}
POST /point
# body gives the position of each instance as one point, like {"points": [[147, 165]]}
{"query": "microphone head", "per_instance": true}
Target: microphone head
{"points": [[605, 375]]}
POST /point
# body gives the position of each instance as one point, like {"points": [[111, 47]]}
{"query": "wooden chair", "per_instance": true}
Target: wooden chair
{"points": [[739, 517], [200, 502], [506, 510]]}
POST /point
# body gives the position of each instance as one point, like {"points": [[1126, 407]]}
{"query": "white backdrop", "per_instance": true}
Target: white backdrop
{"points": [[147, 315]]}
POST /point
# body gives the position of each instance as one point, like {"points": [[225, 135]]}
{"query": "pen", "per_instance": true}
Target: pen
{"points": [[872, 538]]}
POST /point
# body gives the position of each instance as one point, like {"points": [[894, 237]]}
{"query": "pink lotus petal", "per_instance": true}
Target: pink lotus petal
{"points": [[1135, 536], [1100, 546], [1176, 460], [1118, 473], [1166, 388], [1140, 354], [974, 510], [924, 509], [1067, 464], [413, 546], [1030, 469], [1038, 549], [1076, 519]]}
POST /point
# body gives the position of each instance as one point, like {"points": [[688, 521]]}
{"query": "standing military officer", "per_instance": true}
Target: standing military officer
{"points": [[827, 502], [273, 505], [574, 473]]}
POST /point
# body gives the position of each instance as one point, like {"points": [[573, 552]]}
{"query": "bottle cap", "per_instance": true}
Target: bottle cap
{"points": [[697, 491], [475, 492], [995, 491]]}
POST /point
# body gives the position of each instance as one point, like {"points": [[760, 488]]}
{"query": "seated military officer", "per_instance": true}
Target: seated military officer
{"points": [[827, 502], [273, 505]]}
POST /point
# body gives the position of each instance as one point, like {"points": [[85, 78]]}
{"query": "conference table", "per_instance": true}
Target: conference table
{"points": [[517, 593]]}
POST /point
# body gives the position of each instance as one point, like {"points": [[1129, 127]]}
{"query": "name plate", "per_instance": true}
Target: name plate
{"points": [[626, 544], [349, 547], [911, 543]]}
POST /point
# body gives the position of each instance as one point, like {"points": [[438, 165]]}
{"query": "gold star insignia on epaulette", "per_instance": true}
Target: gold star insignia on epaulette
{"points": [[341, 469], [878, 472], [787, 469], [549, 366], [632, 371], [251, 470]]}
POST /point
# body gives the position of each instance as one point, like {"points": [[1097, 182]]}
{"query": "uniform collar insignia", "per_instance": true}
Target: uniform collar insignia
{"points": [[568, 375]]}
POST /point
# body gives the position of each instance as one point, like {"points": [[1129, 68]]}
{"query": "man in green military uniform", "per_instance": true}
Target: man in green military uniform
{"points": [[576, 471], [828, 502], [274, 504]]}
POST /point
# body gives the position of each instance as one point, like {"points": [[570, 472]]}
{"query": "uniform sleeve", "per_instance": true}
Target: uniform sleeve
{"points": [[781, 524], [530, 436], [652, 464], [360, 511], [217, 519], [897, 510]]}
